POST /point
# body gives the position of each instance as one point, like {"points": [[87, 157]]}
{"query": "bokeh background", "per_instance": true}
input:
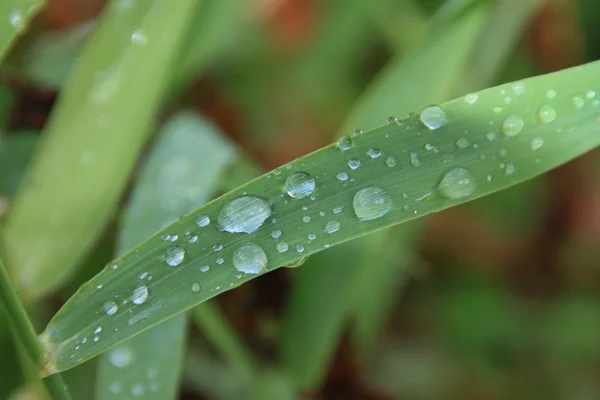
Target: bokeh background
{"points": [[496, 299]]}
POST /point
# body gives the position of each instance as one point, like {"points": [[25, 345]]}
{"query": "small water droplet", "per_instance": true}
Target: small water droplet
{"points": [[299, 185], [196, 287], [344, 143], [463, 143], [250, 258], [590, 94], [300, 248], [371, 203], [282, 247], [390, 161], [174, 256], [429, 147], [193, 239], [414, 160], [140, 294], [579, 102], [205, 268], [502, 153], [471, 98], [120, 356], [357, 132], [203, 220], [218, 247], [342, 176], [551, 93], [16, 18], [244, 215], [139, 38], [353, 163], [143, 275], [490, 177], [276, 233], [510, 168], [457, 183], [512, 125], [518, 88], [433, 117], [332, 226], [338, 209], [110, 308], [220, 260], [547, 113], [306, 218], [98, 330], [537, 143], [312, 236], [374, 153], [491, 136]]}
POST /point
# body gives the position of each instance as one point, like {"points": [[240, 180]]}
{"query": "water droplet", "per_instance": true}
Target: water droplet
{"points": [[174, 256], [16, 18], [250, 258], [502, 153], [338, 209], [98, 330], [218, 247], [374, 153], [300, 248], [344, 143], [140, 294], [491, 136], [537, 143], [490, 177], [590, 94], [306, 218], [353, 163], [332, 226], [193, 239], [139, 38], [518, 87], [342, 176], [371, 203], [276, 233], [414, 160], [471, 98], [429, 147], [357, 132], [457, 183], [244, 215], [196, 287], [220, 260], [110, 308], [203, 220], [282, 247], [390, 161], [547, 113], [120, 356], [579, 102], [510, 168], [300, 185], [463, 143], [433, 117], [551, 93], [512, 125], [312, 236], [205, 268]]}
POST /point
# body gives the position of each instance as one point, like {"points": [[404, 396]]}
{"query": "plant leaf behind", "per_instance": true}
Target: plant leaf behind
{"points": [[92, 140], [480, 148], [169, 185], [16, 14]]}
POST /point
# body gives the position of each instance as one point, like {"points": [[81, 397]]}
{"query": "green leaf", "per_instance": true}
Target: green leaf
{"points": [[16, 14], [15, 153], [103, 117], [169, 185], [424, 167]]}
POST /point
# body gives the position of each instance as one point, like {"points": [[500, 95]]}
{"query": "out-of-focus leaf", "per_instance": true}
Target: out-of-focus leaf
{"points": [[181, 174], [306, 354], [15, 153], [92, 141], [372, 178], [15, 15]]}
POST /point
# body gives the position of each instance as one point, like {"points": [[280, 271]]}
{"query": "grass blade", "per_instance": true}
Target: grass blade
{"points": [[16, 14], [420, 170], [169, 186], [92, 140], [306, 353]]}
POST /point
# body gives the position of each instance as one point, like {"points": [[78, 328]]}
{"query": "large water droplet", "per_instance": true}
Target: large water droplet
{"points": [[244, 215], [547, 113], [250, 258], [457, 183], [332, 226], [371, 203], [140, 294], [203, 220], [344, 143], [300, 185], [433, 117], [512, 125], [110, 308], [174, 256]]}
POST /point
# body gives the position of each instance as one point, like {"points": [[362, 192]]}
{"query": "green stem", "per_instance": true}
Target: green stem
{"points": [[26, 333]]}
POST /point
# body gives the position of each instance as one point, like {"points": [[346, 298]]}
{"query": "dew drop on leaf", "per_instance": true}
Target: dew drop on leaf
{"points": [[282, 247], [174, 256], [332, 226], [300, 185], [537, 143], [120, 356], [344, 143], [371, 203], [457, 183], [512, 125], [203, 220], [374, 153], [244, 215], [433, 117], [140, 294], [250, 258], [110, 308], [390, 161], [547, 113], [353, 163], [342, 176], [196, 287]]}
